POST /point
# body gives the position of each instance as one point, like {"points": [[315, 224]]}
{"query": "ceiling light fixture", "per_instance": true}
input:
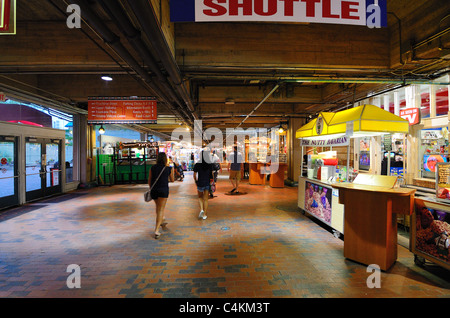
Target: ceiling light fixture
{"points": [[101, 131], [107, 78]]}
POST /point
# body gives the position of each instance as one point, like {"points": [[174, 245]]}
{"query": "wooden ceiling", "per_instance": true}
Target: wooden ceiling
{"points": [[217, 72]]}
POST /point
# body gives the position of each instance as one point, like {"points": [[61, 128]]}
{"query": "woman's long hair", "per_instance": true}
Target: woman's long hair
{"points": [[161, 159], [205, 159]]}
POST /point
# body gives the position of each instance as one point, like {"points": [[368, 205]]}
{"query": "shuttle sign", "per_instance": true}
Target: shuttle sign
{"points": [[371, 13]]}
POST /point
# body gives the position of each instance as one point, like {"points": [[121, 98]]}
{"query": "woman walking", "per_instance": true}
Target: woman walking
{"points": [[202, 177], [159, 177]]}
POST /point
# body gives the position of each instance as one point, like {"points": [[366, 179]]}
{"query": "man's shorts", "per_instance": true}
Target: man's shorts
{"points": [[235, 174], [202, 189]]}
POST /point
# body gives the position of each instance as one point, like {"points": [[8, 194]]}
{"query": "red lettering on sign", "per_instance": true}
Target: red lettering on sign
{"points": [[246, 5], [311, 7], [289, 7], [326, 10], [271, 10], [347, 10], [219, 10]]}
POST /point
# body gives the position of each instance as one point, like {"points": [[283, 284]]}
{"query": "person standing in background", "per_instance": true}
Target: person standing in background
{"points": [[216, 168], [235, 162]]}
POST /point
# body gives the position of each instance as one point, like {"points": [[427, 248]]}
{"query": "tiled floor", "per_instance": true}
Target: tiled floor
{"points": [[254, 245]]}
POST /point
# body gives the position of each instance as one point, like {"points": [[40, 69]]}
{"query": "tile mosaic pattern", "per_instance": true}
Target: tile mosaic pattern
{"points": [[255, 245]]}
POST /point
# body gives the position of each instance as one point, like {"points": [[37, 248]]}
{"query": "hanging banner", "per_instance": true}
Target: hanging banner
{"points": [[326, 142], [122, 110], [7, 17], [371, 13]]}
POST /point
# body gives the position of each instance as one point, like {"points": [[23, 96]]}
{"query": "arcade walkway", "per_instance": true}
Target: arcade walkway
{"points": [[254, 245]]}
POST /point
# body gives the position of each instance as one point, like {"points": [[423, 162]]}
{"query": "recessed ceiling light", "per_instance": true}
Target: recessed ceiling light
{"points": [[107, 78]]}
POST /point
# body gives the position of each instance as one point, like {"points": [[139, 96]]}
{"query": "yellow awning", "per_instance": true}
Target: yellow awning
{"points": [[365, 118]]}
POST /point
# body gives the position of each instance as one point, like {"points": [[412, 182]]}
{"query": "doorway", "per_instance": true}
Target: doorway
{"points": [[42, 167], [9, 174]]}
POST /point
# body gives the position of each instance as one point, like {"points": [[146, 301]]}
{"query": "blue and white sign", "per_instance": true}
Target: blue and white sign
{"points": [[370, 13]]}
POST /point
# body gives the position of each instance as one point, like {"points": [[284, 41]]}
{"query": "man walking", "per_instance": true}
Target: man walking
{"points": [[235, 162]]}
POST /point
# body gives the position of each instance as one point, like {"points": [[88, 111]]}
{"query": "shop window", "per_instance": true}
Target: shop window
{"points": [[425, 103], [40, 116], [69, 151], [433, 149], [441, 100]]}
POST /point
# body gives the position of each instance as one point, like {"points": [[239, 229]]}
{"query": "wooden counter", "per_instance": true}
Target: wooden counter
{"points": [[255, 176], [370, 222], [258, 178], [277, 178]]}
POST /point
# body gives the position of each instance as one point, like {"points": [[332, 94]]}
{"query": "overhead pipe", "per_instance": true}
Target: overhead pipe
{"points": [[147, 19], [113, 40], [363, 81], [116, 12], [262, 102]]}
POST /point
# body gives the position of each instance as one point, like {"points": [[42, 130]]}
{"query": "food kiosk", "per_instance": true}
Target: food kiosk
{"points": [[335, 132], [258, 152], [132, 161]]}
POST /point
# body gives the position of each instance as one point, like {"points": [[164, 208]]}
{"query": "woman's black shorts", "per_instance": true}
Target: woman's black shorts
{"points": [[159, 193]]}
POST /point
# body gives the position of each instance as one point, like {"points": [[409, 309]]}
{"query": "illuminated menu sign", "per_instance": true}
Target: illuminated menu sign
{"points": [[120, 110]]}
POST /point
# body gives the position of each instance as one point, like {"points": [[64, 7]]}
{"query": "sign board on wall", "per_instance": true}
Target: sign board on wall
{"points": [[411, 114], [326, 142], [354, 12], [122, 110], [7, 17], [2, 97]]}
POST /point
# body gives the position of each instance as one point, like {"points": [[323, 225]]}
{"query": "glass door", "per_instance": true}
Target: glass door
{"points": [[53, 167], [43, 172], [9, 177]]}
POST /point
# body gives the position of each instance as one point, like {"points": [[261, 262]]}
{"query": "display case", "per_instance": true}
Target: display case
{"points": [[430, 232], [433, 150]]}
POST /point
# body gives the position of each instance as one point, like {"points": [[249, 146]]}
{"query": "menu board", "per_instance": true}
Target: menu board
{"points": [[443, 181]]}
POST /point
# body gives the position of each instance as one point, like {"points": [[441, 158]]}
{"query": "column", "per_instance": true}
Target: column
{"points": [[386, 102], [432, 92], [294, 150], [412, 96], [396, 103]]}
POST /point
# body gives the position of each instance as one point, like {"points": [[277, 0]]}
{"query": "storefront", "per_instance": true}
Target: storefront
{"points": [[266, 159], [37, 154], [336, 147]]}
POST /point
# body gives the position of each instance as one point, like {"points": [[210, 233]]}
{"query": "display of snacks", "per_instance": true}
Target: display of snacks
{"points": [[432, 232]]}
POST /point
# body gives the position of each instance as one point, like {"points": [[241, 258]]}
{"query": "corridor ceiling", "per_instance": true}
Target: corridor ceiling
{"points": [[224, 74]]}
